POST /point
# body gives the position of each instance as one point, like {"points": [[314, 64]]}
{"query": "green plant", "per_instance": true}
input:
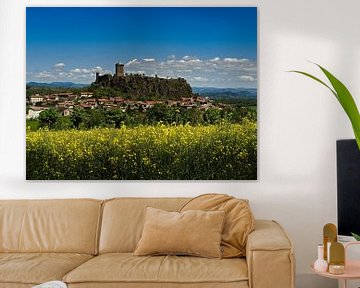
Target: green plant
{"points": [[356, 236], [344, 97], [346, 100]]}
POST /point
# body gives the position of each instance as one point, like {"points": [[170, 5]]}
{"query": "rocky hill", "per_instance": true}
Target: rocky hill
{"points": [[138, 86]]}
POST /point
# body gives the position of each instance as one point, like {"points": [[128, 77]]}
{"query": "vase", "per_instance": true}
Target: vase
{"points": [[320, 264]]}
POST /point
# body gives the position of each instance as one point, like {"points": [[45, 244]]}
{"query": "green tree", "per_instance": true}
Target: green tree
{"points": [[77, 116], [49, 117], [95, 118], [212, 116], [63, 123], [115, 117], [161, 112], [32, 124], [192, 116]]}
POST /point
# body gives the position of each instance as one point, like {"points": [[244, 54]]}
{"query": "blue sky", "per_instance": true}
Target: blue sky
{"points": [[213, 47]]}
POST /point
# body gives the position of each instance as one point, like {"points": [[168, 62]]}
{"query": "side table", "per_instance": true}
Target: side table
{"points": [[352, 268]]}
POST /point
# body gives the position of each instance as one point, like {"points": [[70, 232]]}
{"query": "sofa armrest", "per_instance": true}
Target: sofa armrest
{"points": [[269, 256]]}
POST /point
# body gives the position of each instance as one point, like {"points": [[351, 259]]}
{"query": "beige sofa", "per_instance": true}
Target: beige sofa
{"points": [[89, 243]]}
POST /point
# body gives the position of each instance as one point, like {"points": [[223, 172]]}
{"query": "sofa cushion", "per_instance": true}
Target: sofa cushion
{"points": [[123, 220], [63, 226], [126, 268], [193, 232], [36, 268], [239, 220]]}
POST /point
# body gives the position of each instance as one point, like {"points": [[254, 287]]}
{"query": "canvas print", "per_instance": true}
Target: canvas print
{"points": [[141, 93]]}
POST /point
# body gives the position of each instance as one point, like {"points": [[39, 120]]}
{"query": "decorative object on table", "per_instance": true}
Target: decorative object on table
{"points": [[329, 236], [337, 258], [333, 252], [320, 264], [344, 273], [51, 284]]}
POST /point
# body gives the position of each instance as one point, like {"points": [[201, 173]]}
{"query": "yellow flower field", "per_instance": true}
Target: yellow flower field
{"points": [[184, 152]]}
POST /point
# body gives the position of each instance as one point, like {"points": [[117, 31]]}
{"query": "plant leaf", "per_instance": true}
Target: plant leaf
{"points": [[347, 102], [356, 236], [344, 97], [316, 79]]}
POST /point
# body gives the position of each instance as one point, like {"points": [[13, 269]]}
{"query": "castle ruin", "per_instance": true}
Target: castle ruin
{"points": [[136, 86], [119, 72]]}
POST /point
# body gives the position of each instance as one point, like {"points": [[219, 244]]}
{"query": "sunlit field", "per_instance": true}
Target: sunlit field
{"points": [[168, 152]]}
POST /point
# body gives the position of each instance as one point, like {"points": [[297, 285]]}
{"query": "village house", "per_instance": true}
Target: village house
{"points": [[67, 112], [65, 104], [65, 96], [205, 106], [36, 99], [148, 104], [86, 94], [51, 98], [172, 103], [201, 100], [103, 101], [34, 112], [67, 101], [118, 100], [86, 106]]}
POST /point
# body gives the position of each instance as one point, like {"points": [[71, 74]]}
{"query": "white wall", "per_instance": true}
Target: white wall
{"points": [[298, 125]]}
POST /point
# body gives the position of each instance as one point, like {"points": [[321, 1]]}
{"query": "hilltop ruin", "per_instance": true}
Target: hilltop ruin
{"points": [[140, 86]]}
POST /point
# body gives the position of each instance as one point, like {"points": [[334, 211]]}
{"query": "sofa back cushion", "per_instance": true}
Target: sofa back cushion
{"points": [[66, 226], [123, 220]]}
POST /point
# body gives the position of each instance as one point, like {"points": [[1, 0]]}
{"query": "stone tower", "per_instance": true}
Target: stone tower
{"points": [[119, 70]]}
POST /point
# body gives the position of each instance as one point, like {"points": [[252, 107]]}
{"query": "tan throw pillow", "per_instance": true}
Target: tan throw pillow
{"points": [[196, 233], [239, 220]]}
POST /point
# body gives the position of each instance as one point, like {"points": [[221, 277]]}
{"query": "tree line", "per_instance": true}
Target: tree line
{"points": [[85, 119]]}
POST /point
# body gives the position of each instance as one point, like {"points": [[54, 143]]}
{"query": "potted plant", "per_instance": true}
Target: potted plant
{"points": [[345, 99]]}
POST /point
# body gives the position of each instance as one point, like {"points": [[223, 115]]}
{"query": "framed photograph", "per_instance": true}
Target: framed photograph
{"points": [[141, 93]]}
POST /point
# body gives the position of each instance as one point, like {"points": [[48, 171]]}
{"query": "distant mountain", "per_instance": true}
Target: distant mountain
{"points": [[213, 92], [57, 85]]}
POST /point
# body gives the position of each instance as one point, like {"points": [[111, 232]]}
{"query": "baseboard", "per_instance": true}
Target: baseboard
{"points": [[310, 280]]}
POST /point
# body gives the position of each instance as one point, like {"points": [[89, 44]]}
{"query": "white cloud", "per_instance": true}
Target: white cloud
{"points": [[77, 70], [77, 75], [246, 78], [212, 71], [235, 60], [191, 59], [134, 61], [215, 59], [81, 70], [201, 79], [59, 65], [45, 75]]}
